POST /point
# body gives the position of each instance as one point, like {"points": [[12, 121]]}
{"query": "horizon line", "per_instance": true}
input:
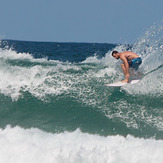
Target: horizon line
{"points": [[61, 42]]}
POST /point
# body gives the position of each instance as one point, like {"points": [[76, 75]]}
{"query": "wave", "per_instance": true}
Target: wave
{"points": [[33, 145], [22, 72], [84, 82]]}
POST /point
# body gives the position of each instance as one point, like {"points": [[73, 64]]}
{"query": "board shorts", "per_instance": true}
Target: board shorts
{"points": [[135, 63]]}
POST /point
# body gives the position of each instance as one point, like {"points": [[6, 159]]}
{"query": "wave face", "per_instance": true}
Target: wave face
{"points": [[60, 88]]}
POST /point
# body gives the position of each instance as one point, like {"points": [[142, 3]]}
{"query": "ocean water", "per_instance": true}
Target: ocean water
{"points": [[55, 107]]}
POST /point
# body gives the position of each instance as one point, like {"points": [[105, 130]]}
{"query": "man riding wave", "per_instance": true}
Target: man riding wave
{"points": [[130, 60]]}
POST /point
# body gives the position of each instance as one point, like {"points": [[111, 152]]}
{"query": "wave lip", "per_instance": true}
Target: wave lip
{"points": [[33, 145]]}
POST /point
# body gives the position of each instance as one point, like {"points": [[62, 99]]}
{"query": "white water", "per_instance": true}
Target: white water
{"points": [[53, 79], [18, 145]]}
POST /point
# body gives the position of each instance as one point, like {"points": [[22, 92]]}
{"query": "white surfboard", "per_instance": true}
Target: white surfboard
{"points": [[120, 84]]}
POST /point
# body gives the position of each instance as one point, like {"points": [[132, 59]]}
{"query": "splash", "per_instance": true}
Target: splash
{"points": [[150, 47]]}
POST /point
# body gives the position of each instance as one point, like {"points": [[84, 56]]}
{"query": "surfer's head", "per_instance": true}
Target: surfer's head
{"points": [[115, 54]]}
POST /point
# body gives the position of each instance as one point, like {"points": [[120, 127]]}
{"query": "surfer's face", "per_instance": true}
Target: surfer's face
{"points": [[115, 56]]}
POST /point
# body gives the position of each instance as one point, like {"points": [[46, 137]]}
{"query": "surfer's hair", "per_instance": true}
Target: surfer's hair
{"points": [[114, 52]]}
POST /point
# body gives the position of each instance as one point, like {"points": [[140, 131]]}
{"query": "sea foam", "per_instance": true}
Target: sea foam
{"points": [[33, 145]]}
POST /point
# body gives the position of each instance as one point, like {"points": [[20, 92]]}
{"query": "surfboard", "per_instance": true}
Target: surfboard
{"points": [[120, 84]]}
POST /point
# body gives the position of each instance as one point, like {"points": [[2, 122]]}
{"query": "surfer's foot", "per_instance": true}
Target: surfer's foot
{"points": [[125, 81]]}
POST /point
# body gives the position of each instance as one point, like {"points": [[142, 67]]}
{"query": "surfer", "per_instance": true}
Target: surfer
{"points": [[130, 60]]}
